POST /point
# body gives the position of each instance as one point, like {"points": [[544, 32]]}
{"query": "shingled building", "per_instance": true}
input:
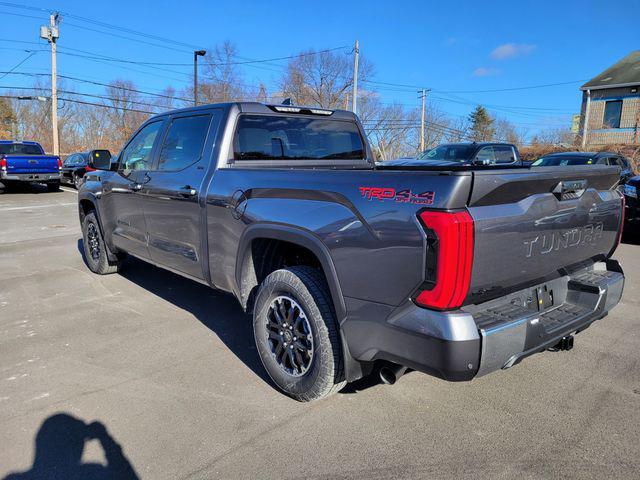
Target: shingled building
{"points": [[611, 104]]}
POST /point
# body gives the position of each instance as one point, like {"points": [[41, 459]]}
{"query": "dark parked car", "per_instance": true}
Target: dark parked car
{"points": [[74, 167], [466, 154], [587, 158], [631, 189], [346, 265]]}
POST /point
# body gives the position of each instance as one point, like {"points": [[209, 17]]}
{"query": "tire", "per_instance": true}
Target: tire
{"points": [[76, 181], [96, 257], [309, 373], [53, 186]]}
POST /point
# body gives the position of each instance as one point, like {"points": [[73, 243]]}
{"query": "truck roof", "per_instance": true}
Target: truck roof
{"points": [[264, 108], [579, 154], [22, 142]]}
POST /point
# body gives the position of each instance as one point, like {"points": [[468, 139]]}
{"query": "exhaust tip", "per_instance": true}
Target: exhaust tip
{"points": [[389, 374]]}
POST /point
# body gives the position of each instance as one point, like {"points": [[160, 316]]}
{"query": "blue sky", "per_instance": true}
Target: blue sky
{"points": [[450, 47]]}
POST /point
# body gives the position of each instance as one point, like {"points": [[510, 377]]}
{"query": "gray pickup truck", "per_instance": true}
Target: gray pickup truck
{"points": [[347, 267]]}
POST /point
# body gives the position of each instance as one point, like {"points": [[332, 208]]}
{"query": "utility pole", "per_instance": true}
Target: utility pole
{"points": [[51, 33], [196, 54], [585, 127], [356, 50], [423, 94]]}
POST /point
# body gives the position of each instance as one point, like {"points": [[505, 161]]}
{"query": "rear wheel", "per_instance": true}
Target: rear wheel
{"points": [[53, 186], [95, 253], [296, 334]]}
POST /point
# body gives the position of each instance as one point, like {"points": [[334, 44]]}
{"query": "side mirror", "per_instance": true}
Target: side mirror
{"points": [[100, 159]]}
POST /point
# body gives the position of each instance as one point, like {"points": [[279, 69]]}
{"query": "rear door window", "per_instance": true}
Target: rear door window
{"points": [[184, 142], [267, 137], [485, 154], [504, 154]]}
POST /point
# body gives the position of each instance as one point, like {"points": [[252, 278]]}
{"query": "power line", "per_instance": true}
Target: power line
{"points": [[125, 109], [17, 65], [100, 23], [213, 64], [512, 89], [92, 82]]}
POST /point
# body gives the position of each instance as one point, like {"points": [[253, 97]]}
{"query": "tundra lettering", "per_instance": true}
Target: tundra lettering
{"points": [[541, 245]]}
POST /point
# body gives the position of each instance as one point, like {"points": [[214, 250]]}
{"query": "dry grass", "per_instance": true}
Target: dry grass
{"points": [[632, 152]]}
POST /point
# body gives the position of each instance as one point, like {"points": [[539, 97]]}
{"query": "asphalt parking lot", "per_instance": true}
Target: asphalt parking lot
{"points": [[168, 369]]}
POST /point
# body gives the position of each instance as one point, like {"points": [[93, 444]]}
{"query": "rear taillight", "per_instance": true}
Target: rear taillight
{"points": [[449, 259], [89, 169], [3, 164], [59, 164]]}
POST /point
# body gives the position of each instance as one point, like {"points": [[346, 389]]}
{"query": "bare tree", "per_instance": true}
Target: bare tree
{"points": [[126, 111], [554, 136], [458, 130], [322, 79], [505, 131], [8, 119], [221, 80], [392, 130]]}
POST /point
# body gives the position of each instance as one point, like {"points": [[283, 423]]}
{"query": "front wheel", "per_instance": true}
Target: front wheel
{"points": [[297, 335], [95, 253]]}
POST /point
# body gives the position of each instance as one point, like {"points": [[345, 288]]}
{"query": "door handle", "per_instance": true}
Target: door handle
{"points": [[135, 187], [188, 191]]}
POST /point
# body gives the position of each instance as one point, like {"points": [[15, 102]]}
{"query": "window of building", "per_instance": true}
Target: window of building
{"points": [[612, 114]]}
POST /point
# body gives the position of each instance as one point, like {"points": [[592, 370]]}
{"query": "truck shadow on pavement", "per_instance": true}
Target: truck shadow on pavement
{"points": [[631, 233], [216, 310], [59, 445], [26, 188]]}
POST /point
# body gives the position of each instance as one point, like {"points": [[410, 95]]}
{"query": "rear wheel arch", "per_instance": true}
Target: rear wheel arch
{"points": [[266, 248]]}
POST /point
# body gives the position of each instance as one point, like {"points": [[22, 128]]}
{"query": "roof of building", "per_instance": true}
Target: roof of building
{"points": [[624, 73]]}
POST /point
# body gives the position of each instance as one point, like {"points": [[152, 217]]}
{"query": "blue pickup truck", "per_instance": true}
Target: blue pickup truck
{"points": [[27, 162]]}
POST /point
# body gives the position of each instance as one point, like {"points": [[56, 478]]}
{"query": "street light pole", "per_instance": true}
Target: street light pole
{"points": [[356, 51], [196, 54]]}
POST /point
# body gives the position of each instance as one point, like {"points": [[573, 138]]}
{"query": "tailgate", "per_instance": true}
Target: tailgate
{"points": [[31, 164], [534, 225]]}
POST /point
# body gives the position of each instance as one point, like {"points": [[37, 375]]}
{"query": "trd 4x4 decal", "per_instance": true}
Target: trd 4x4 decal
{"points": [[400, 196]]}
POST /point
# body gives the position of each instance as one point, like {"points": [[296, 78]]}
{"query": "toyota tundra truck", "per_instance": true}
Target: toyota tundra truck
{"points": [[26, 162], [348, 267]]}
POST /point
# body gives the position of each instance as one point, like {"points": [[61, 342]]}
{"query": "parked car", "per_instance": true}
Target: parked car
{"points": [[74, 167], [466, 154], [348, 266], [631, 189], [587, 158], [26, 162]]}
